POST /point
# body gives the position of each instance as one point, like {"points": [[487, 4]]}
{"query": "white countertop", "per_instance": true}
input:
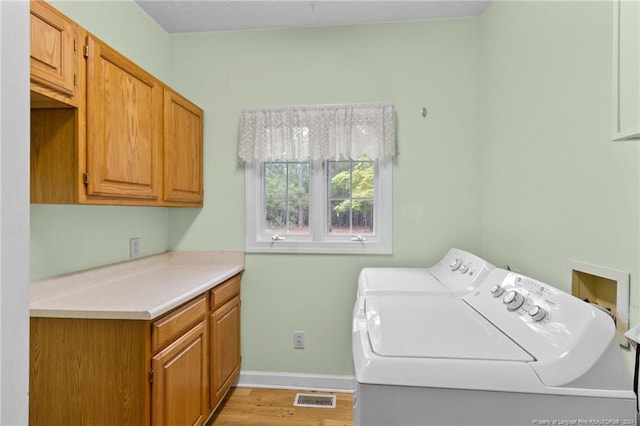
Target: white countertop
{"points": [[141, 289]]}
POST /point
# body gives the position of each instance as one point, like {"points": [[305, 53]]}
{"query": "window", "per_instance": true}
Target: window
{"points": [[319, 207], [298, 202], [351, 197]]}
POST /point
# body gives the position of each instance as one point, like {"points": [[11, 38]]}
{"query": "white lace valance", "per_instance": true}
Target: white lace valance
{"points": [[318, 132]]}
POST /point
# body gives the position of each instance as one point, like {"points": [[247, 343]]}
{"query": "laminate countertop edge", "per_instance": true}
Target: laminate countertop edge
{"points": [[141, 289]]}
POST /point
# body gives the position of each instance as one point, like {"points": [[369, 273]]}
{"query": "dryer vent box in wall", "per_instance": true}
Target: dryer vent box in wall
{"points": [[606, 288]]}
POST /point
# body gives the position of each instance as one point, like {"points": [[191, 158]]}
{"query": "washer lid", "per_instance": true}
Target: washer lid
{"points": [[426, 327], [406, 280]]}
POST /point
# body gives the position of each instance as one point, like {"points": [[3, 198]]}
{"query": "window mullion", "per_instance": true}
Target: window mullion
{"points": [[318, 200]]}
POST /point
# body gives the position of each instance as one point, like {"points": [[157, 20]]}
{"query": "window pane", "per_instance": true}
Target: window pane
{"points": [[286, 198], [351, 196], [339, 179], [275, 180], [276, 216], [298, 180], [362, 217], [298, 217], [340, 212]]}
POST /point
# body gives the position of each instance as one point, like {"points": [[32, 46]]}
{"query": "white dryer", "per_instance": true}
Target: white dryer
{"points": [[458, 273], [512, 352]]}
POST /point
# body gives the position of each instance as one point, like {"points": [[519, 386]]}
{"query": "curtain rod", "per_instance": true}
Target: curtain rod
{"points": [[288, 107]]}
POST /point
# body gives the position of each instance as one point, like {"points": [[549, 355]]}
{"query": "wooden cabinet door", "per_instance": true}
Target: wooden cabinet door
{"points": [[179, 389], [225, 348], [124, 106], [183, 127], [53, 44]]}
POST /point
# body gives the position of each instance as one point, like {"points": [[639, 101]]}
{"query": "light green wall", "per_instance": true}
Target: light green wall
{"points": [[69, 238], [517, 144], [436, 191], [554, 186]]}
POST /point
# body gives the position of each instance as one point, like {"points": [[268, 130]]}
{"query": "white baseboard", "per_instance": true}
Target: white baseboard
{"points": [[276, 380]]}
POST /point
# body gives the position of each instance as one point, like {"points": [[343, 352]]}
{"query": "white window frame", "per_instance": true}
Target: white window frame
{"points": [[319, 241]]}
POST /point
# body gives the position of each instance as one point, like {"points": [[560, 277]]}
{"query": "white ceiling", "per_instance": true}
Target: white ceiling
{"points": [[179, 16]]}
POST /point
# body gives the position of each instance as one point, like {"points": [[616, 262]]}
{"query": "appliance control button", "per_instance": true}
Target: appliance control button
{"points": [[464, 268], [513, 300], [455, 265], [537, 313], [497, 290]]}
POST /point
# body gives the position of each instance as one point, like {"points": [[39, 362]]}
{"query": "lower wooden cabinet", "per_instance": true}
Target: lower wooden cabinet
{"points": [[225, 349], [179, 387], [88, 372], [170, 371]]}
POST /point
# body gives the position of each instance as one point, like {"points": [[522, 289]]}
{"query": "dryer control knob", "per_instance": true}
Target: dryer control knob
{"points": [[464, 268], [455, 265], [537, 313], [513, 300], [497, 290]]}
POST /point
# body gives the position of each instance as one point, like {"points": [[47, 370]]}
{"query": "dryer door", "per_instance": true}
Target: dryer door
{"points": [[428, 327], [399, 280]]}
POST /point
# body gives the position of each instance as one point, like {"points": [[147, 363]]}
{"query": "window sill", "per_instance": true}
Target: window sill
{"points": [[351, 247]]}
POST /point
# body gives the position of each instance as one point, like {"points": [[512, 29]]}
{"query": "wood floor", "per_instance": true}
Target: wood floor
{"points": [[274, 407]]}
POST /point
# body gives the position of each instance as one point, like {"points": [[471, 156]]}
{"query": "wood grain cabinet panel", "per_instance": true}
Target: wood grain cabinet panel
{"points": [[54, 156], [123, 126], [224, 292], [183, 128], [88, 372], [54, 59], [225, 349], [174, 324], [180, 389]]}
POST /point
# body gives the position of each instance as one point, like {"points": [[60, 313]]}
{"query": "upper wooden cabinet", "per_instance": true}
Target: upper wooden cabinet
{"points": [[54, 54], [117, 135], [183, 124], [123, 126], [626, 70]]}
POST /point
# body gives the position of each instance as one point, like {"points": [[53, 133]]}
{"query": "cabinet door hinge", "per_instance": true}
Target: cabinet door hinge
{"points": [[86, 50], [85, 178], [151, 375]]}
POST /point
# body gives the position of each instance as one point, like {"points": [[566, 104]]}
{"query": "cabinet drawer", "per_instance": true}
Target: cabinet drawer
{"points": [[173, 324], [225, 291]]}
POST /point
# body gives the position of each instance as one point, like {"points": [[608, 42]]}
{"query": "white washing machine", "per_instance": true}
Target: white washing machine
{"points": [[458, 273], [512, 352]]}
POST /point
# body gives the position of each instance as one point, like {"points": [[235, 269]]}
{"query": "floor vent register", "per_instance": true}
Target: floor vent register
{"points": [[314, 400]]}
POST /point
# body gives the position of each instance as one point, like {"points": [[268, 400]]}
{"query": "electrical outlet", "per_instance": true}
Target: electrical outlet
{"points": [[298, 340], [134, 247]]}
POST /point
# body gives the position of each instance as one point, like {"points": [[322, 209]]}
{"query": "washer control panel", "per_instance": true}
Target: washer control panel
{"points": [[464, 266], [524, 293], [564, 334], [460, 271]]}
